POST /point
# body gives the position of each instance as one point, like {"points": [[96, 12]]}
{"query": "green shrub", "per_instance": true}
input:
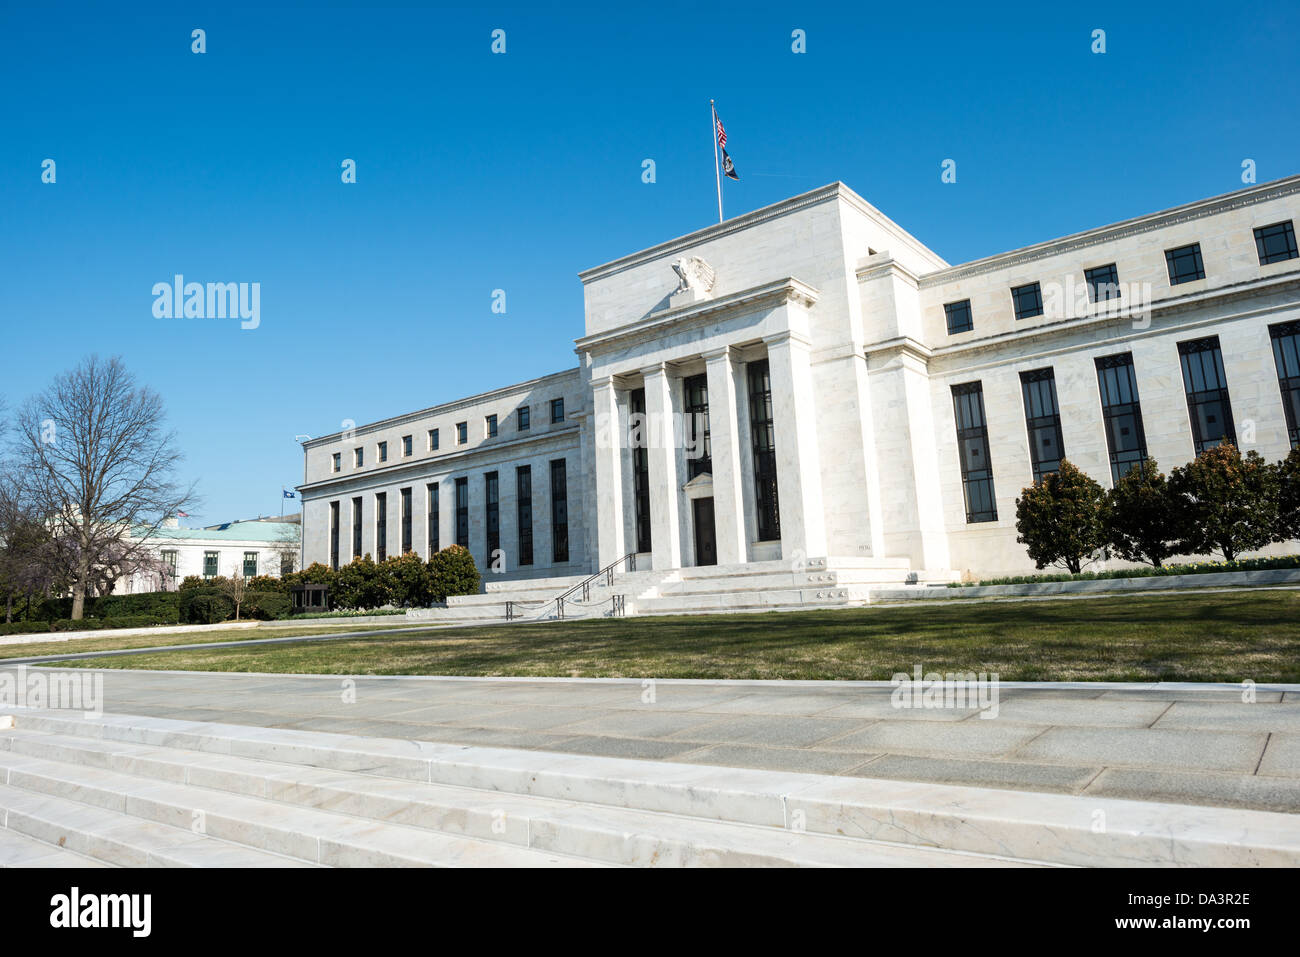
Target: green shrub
{"points": [[87, 624], [452, 572], [408, 579], [161, 604], [191, 581], [1060, 519], [1143, 520], [265, 605], [1227, 502], [205, 606]]}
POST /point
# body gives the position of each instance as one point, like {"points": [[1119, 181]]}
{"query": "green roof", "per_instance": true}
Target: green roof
{"points": [[236, 532]]}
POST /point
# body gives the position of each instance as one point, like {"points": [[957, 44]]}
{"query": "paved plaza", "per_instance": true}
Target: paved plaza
{"points": [[1190, 744]]}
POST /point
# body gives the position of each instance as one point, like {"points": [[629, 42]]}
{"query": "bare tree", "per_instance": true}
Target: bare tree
{"points": [[234, 587], [96, 461]]}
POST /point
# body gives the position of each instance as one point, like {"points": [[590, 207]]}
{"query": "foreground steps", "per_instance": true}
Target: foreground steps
{"points": [[279, 790], [77, 767]]}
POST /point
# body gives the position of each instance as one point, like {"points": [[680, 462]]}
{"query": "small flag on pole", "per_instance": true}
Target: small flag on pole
{"points": [[288, 494], [728, 167]]}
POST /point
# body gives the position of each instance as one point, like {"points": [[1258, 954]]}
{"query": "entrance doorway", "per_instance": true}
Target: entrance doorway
{"points": [[706, 542]]}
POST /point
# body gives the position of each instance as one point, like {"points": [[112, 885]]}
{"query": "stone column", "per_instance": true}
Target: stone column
{"points": [[665, 486], [724, 439], [798, 465], [608, 453]]}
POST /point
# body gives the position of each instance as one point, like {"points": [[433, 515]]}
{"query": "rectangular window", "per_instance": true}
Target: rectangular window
{"points": [[210, 564], [356, 528], [1208, 404], [559, 512], [286, 564], [958, 316], [408, 445], [435, 536], [433, 440], [524, 413], [1184, 264], [1028, 300], [359, 457], [557, 410], [637, 441], [381, 526], [250, 564], [406, 519], [1043, 418], [1122, 414], [524, 499], [334, 535], [973, 451], [1275, 243], [169, 557], [492, 514], [383, 452], [338, 461], [1103, 283], [462, 512], [699, 458], [763, 443], [462, 433], [490, 426], [1286, 354]]}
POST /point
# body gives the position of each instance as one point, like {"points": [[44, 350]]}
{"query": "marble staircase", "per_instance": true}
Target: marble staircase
{"points": [[713, 589], [122, 790]]}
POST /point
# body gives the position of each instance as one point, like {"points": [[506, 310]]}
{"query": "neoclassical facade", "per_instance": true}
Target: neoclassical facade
{"points": [[809, 385]]}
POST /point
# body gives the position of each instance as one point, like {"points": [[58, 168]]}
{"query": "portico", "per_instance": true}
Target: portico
{"points": [[705, 438]]}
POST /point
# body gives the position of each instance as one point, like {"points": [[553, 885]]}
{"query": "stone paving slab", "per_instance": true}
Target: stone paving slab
{"points": [[1149, 748], [1142, 740]]}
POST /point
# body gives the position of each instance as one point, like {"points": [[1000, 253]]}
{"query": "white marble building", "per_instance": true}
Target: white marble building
{"points": [[260, 546], [832, 358]]}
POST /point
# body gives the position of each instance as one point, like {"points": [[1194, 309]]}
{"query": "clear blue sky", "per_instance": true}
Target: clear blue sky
{"points": [[479, 171]]}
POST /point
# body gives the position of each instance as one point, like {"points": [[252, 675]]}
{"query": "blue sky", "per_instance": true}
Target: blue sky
{"points": [[478, 171]]}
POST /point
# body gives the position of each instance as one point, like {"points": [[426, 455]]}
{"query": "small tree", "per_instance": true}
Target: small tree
{"points": [[1060, 519], [408, 578], [361, 584], [1143, 520], [235, 587], [1288, 498], [452, 572], [1229, 502]]}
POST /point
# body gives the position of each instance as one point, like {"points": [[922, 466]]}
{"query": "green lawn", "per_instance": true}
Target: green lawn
{"points": [[105, 641], [1221, 636]]}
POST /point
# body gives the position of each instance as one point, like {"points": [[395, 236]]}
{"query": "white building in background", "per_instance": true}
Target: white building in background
{"points": [[261, 546], [847, 404]]}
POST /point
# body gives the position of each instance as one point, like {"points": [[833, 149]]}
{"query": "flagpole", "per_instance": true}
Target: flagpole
{"points": [[717, 170]]}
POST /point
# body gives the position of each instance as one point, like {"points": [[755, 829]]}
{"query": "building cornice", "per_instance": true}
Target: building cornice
{"points": [[446, 407], [823, 194], [1105, 234], [660, 323]]}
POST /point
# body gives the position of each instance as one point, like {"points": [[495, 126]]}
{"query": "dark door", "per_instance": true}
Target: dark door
{"points": [[706, 542]]}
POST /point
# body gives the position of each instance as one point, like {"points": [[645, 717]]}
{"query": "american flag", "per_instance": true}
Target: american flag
{"points": [[722, 134]]}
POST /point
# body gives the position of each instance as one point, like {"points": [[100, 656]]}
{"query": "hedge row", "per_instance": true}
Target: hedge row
{"points": [[86, 624]]}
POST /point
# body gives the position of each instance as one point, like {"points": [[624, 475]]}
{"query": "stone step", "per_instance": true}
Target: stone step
{"points": [[768, 600], [1064, 829], [248, 827], [114, 838], [615, 835], [19, 850]]}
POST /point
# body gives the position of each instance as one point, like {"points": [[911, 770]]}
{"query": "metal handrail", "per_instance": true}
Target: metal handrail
{"points": [[585, 587]]}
